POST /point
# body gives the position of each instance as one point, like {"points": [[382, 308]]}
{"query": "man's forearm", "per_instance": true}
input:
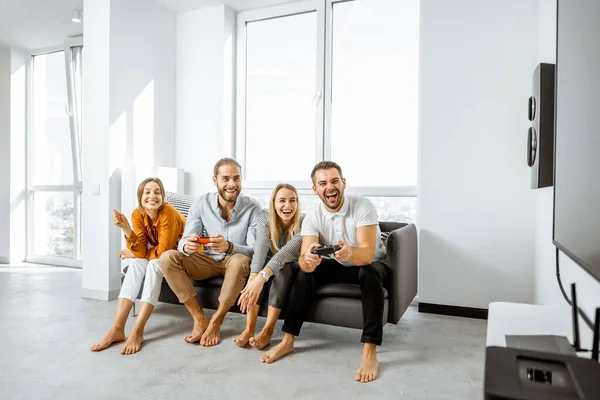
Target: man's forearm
{"points": [[361, 256], [245, 250]]}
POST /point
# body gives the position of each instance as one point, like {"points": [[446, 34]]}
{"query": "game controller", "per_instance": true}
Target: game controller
{"points": [[203, 239], [326, 250]]}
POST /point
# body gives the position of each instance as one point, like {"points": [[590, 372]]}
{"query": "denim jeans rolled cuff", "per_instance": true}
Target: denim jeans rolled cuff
{"points": [[152, 283], [292, 331], [371, 339]]}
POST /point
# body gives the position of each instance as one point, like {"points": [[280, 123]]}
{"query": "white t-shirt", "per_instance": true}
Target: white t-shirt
{"points": [[330, 227]]}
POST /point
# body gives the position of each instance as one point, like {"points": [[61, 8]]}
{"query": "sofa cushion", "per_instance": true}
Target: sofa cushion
{"points": [[342, 290], [181, 202], [215, 281]]}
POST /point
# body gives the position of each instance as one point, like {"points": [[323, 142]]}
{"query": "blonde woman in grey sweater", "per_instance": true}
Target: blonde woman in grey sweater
{"points": [[276, 250]]}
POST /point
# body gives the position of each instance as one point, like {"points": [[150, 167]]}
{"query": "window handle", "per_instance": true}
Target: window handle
{"points": [[317, 98]]}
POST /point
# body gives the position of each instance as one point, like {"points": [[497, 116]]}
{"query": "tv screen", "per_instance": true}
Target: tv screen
{"points": [[577, 140]]}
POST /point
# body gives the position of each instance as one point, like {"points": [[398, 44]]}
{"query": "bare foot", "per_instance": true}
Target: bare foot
{"points": [[212, 335], [369, 365], [133, 344], [283, 348], [261, 340], [242, 340], [111, 337], [199, 328]]}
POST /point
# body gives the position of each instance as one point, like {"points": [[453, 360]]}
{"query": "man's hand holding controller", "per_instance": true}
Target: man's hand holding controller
{"points": [[311, 259], [193, 245]]}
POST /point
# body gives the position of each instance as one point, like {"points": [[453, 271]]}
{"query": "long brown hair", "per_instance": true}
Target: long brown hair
{"points": [[140, 192], [275, 225]]}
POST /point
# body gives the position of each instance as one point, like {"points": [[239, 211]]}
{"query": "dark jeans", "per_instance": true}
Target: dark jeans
{"points": [[371, 279]]}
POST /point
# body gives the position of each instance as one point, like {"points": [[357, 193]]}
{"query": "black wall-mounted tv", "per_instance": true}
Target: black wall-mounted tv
{"points": [[577, 137]]}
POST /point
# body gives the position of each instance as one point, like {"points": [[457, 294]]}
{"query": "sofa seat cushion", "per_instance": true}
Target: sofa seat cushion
{"points": [[215, 281], [348, 290]]}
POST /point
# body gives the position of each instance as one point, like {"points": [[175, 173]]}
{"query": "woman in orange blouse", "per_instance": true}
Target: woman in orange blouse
{"points": [[157, 227]]}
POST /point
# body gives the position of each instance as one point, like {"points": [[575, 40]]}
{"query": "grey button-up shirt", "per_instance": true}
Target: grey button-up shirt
{"points": [[205, 215]]}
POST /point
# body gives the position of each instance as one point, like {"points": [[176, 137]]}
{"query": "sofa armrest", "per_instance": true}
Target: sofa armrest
{"points": [[402, 260]]}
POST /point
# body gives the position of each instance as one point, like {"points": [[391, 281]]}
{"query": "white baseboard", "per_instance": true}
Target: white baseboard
{"points": [[100, 294]]}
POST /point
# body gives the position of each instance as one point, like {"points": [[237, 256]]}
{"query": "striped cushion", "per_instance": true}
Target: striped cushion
{"points": [[384, 237], [181, 202]]}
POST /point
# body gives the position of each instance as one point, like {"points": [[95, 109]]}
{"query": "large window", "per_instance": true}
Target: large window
{"points": [[330, 80], [54, 177]]}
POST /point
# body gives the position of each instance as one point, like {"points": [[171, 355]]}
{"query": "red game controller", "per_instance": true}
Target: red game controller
{"points": [[203, 239]]}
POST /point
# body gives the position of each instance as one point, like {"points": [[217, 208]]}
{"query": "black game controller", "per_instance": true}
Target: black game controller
{"points": [[326, 250]]}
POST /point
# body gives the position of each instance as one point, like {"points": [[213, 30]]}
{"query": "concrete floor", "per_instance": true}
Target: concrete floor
{"points": [[46, 330]]}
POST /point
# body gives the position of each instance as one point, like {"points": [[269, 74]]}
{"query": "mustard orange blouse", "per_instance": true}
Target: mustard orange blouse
{"points": [[163, 233]]}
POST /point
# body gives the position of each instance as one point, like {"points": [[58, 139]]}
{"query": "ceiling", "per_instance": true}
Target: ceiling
{"points": [[38, 24], [236, 5]]}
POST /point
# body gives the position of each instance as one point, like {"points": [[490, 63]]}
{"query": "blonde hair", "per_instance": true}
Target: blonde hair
{"points": [[140, 192], [275, 225]]}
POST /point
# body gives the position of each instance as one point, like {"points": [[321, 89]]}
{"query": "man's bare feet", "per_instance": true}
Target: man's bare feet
{"points": [[112, 336], [200, 326], [369, 365], [242, 340], [285, 347], [261, 340], [212, 334], [133, 344]]}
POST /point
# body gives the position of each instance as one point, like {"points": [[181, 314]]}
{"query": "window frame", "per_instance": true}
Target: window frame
{"points": [[321, 100], [75, 188]]}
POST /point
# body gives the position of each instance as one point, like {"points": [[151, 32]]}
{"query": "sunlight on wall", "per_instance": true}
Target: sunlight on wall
{"points": [[118, 143], [143, 127]]}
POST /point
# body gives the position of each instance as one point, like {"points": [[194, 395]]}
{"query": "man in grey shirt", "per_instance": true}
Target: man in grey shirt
{"points": [[229, 219]]}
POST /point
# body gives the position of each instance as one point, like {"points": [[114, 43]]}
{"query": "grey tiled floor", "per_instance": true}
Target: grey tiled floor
{"points": [[46, 330]]}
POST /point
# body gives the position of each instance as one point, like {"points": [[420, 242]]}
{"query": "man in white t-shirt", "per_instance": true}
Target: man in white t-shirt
{"points": [[350, 222]]}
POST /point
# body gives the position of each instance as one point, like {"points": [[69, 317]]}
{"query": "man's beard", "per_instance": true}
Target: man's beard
{"points": [[339, 199], [229, 197]]}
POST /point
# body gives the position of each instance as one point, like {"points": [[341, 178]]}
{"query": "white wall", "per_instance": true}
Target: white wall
{"points": [[100, 275], [546, 287], [5, 74], [204, 86], [128, 119], [476, 210], [18, 167], [142, 82]]}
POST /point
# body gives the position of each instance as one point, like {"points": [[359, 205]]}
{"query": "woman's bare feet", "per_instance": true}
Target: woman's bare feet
{"points": [[242, 340], [212, 334], [200, 326], [133, 344], [285, 347], [369, 365], [261, 340], [112, 336]]}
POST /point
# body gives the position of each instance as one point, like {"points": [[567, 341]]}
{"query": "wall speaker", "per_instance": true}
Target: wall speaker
{"points": [[540, 137]]}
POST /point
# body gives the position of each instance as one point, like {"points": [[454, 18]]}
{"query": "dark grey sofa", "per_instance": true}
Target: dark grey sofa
{"points": [[336, 304]]}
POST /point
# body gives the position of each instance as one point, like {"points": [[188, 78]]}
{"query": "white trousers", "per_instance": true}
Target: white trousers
{"points": [[140, 270]]}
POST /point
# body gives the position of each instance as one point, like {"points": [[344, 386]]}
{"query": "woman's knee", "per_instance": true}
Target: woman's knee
{"points": [[154, 267]]}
